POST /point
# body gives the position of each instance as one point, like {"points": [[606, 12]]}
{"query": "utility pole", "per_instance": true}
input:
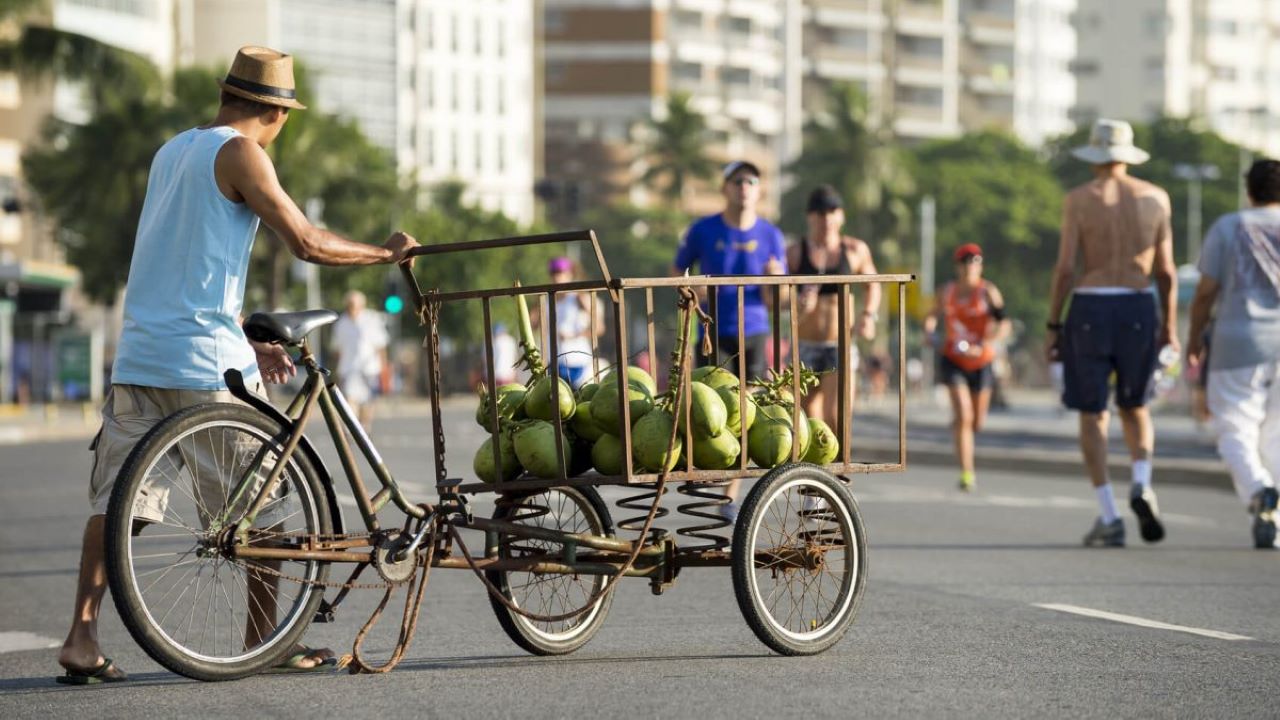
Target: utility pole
{"points": [[1194, 174]]}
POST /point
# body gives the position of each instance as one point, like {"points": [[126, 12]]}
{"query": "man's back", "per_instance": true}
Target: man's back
{"points": [[1117, 221], [187, 278]]}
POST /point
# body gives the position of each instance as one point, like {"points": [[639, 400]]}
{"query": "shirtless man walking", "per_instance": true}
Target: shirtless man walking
{"points": [[1119, 228]]}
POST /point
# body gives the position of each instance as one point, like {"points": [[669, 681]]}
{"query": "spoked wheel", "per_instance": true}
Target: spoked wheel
{"points": [[571, 510], [187, 603], [799, 559]]}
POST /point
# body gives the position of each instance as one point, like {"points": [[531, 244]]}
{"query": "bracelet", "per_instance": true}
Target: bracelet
{"points": [[1055, 326]]}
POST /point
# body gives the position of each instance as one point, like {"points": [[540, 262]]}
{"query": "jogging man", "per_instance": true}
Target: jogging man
{"points": [[737, 241], [1118, 228], [1240, 272], [208, 188]]}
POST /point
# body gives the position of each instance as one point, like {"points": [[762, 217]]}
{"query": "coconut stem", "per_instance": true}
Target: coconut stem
{"points": [[531, 354]]}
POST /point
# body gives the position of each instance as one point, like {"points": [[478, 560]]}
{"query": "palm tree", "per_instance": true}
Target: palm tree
{"points": [[40, 50], [843, 147], [678, 150]]}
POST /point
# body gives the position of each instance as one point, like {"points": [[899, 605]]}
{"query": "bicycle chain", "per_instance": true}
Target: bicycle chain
{"points": [[318, 583]]}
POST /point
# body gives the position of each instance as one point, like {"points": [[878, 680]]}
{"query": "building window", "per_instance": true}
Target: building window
{"points": [[479, 36], [500, 30], [1084, 67], [454, 30], [479, 94], [1224, 73], [553, 21], [557, 71], [457, 90], [479, 153], [453, 150], [428, 30], [502, 95], [429, 90]]}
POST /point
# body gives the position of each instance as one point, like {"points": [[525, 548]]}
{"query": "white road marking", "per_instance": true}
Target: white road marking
{"points": [[19, 640], [1051, 502], [1141, 622]]}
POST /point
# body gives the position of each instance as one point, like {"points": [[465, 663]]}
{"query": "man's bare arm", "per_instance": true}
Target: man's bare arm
{"points": [[1064, 267], [244, 165], [1166, 274]]}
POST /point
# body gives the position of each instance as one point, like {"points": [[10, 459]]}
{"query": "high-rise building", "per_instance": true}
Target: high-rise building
{"points": [[445, 86], [1209, 59], [610, 65]]}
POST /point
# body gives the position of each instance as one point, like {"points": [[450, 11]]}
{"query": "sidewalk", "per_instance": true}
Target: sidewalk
{"points": [[1034, 435]]}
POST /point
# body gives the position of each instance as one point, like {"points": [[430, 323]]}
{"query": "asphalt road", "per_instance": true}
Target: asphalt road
{"points": [[953, 623]]}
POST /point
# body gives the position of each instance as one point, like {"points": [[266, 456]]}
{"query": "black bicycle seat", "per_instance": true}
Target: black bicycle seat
{"points": [[286, 327]]}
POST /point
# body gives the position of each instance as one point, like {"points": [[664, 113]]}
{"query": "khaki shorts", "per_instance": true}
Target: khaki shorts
{"points": [[128, 414]]}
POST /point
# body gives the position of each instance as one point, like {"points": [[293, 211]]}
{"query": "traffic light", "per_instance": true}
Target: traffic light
{"points": [[393, 301]]}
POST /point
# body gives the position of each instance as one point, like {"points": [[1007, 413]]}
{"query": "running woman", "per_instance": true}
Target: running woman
{"points": [[971, 311]]}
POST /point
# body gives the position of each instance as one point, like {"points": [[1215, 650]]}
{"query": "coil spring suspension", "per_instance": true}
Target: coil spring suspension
{"points": [[641, 503], [524, 509], [707, 506]]}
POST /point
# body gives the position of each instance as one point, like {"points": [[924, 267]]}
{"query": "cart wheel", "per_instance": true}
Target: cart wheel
{"points": [[799, 559], [572, 510]]}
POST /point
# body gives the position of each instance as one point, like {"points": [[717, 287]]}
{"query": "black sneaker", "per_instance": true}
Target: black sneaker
{"points": [[1263, 508], [1142, 500]]}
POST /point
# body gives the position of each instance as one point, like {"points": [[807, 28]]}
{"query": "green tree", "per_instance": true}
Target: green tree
{"points": [[845, 149], [1170, 141], [39, 50], [677, 153], [992, 190]]}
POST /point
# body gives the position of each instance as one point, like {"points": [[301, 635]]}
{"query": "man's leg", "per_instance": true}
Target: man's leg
{"points": [[80, 651]]}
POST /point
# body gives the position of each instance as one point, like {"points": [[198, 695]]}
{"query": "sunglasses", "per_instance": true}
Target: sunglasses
{"points": [[751, 181], [971, 260]]}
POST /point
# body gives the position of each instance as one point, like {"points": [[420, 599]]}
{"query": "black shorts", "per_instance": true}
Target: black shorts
{"points": [[1107, 334], [728, 355], [978, 380]]}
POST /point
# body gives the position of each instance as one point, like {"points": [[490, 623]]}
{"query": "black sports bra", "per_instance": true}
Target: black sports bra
{"points": [[808, 268]]}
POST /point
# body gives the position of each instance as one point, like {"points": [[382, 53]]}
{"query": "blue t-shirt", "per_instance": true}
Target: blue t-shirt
{"points": [[718, 249]]}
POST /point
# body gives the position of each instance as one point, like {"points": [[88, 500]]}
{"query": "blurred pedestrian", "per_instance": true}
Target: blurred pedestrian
{"points": [[360, 350], [1240, 273], [207, 189], [1117, 228], [971, 312], [825, 250], [506, 353], [736, 241], [574, 325]]}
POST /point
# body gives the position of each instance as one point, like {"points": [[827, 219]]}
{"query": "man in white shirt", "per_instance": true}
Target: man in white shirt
{"points": [[360, 350]]}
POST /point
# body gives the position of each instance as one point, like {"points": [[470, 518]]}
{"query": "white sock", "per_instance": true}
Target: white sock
{"points": [[1107, 500], [1142, 473]]}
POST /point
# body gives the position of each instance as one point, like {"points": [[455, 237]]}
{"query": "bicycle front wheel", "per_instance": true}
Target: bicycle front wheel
{"points": [[191, 606]]}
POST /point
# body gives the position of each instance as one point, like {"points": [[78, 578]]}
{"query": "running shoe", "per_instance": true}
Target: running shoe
{"points": [[1106, 534], [1263, 508], [1142, 499], [966, 482]]}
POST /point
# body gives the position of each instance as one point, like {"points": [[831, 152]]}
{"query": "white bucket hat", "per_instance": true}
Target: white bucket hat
{"points": [[1111, 141]]}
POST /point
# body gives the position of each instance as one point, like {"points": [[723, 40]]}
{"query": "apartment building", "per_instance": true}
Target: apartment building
{"points": [[1212, 59], [446, 86], [610, 65], [936, 68]]}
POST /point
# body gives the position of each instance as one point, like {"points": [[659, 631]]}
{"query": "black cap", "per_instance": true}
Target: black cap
{"points": [[824, 199], [737, 165]]}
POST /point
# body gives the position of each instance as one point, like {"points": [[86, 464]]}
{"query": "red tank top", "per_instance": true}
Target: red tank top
{"points": [[967, 322]]}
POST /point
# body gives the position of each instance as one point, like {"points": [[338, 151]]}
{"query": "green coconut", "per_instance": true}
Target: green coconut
{"points": [[483, 462], [649, 440], [715, 377], [730, 397], [782, 413], [510, 400], [716, 453], [605, 411], [634, 374], [583, 426], [769, 442], [586, 392], [824, 446], [709, 412], [535, 444], [537, 402], [607, 455]]}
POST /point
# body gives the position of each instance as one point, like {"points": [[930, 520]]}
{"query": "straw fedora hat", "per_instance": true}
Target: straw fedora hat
{"points": [[1111, 141], [262, 75]]}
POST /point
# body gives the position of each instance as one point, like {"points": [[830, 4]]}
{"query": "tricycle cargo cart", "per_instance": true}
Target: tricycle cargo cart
{"points": [[224, 526]]}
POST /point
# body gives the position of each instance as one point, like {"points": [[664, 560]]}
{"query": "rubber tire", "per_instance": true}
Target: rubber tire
{"points": [[118, 534], [742, 559], [513, 625]]}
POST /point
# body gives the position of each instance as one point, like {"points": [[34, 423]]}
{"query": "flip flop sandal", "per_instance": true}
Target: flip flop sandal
{"points": [[290, 664], [96, 676]]}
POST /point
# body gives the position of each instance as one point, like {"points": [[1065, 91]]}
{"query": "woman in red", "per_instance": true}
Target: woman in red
{"points": [[971, 311]]}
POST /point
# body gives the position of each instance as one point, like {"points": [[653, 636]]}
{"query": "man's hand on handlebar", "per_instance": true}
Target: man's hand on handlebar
{"points": [[399, 244]]}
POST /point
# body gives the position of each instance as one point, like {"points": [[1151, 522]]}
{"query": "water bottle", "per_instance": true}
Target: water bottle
{"points": [[1168, 357]]}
